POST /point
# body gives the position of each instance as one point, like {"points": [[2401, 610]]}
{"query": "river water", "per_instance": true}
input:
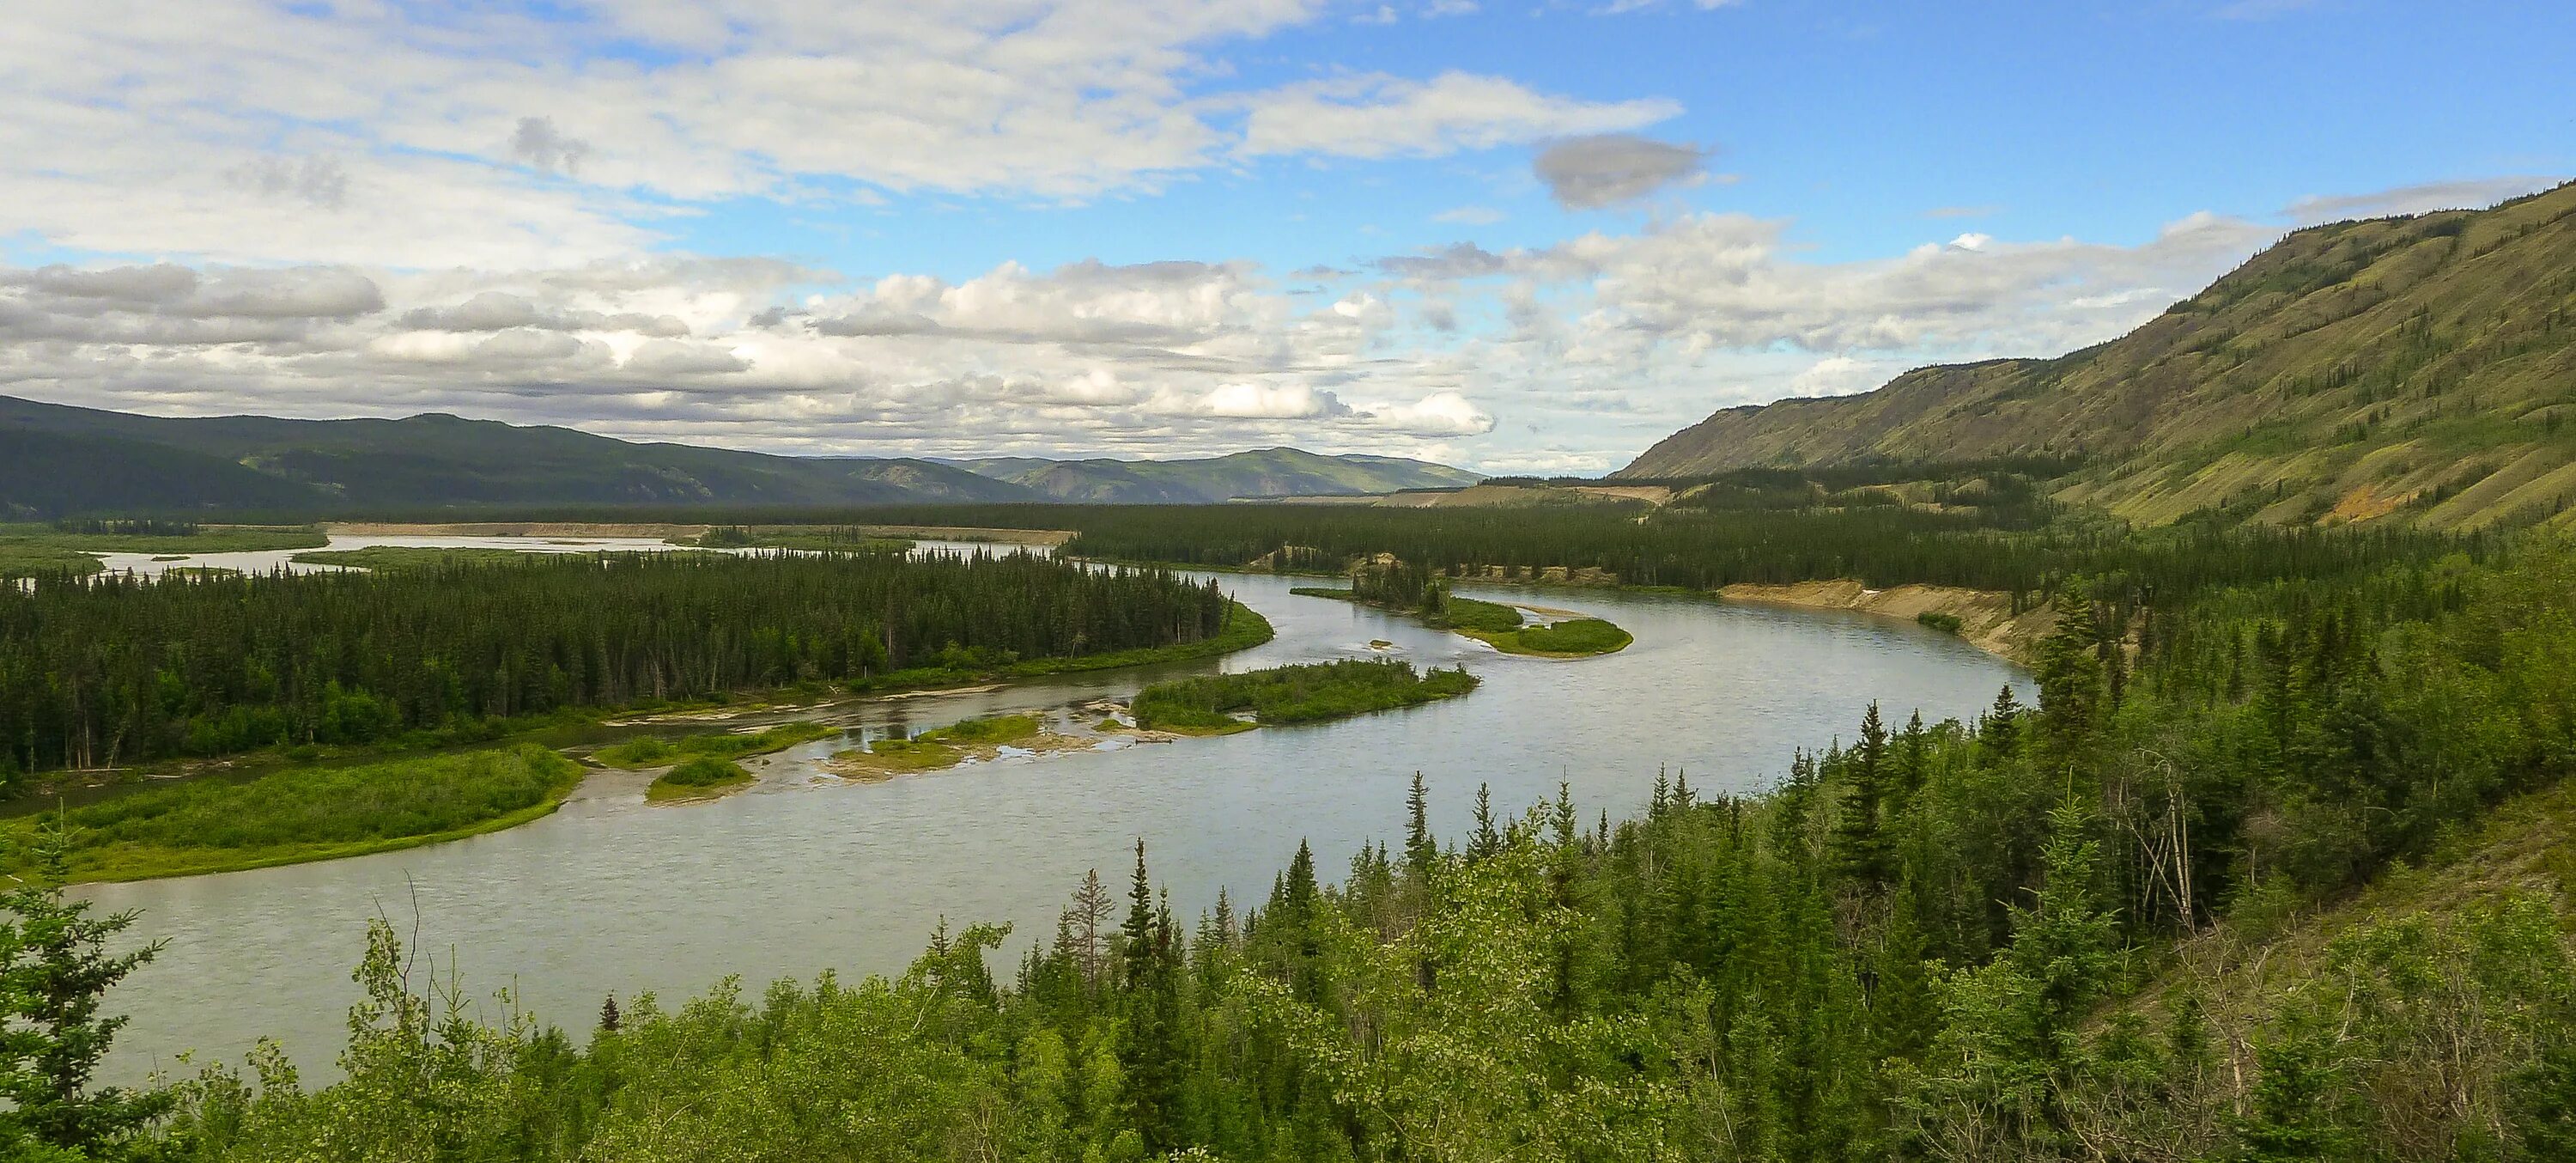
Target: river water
{"points": [[805, 872]]}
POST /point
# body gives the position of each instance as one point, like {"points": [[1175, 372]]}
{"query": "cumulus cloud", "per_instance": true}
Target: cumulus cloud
{"points": [[1605, 169], [495, 140], [1571, 355]]}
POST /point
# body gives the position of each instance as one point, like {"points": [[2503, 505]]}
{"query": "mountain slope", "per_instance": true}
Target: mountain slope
{"points": [[2420, 369], [84, 459], [1269, 472]]}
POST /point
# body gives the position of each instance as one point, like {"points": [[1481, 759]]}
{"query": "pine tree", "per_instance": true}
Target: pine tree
{"points": [[55, 972], [608, 1016], [1485, 841], [1859, 833], [1421, 851]]}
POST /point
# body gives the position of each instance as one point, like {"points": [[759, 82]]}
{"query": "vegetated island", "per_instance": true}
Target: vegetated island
{"points": [[1393, 584], [304, 813], [699, 777], [1303, 693], [653, 751], [485, 656], [949, 746]]}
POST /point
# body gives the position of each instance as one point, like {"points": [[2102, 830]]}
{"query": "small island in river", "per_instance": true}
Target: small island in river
{"points": [[1407, 589], [1307, 693]]}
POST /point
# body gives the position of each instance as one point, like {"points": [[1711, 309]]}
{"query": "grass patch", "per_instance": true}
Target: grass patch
{"points": [[1244, 629], [34, 559], [306, 813], [701, 776], [1468, 614], [1307, 693], [1574, 638], [653, 751], [1945, 623], [986, 731]]}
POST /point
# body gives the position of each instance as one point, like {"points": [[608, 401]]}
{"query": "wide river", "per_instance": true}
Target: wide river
{"points": [[805, 872]]}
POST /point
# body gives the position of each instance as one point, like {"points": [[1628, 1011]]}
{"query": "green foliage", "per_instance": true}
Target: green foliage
{"points": [[1304, 693], [55, 968], [1945, 623], [1571, 638], [697, 776], [305, 813], [988, 730], [653, 751], [123, 671]]}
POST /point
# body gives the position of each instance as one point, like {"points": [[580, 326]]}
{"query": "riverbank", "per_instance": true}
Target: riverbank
{"points": [[301, 815], [1986, 618]]}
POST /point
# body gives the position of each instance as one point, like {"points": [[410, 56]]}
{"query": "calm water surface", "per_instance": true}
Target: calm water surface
{"points": [[805, 872]]}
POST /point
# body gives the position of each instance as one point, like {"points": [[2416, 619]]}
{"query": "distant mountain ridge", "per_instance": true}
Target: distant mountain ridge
{"points": [[58, 459], [2418, 369], [1268, 472]]}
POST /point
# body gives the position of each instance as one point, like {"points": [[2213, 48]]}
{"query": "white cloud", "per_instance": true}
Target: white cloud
{"points": [[247, 131], [1377, 115], [2464, 195], [1564, 357]]}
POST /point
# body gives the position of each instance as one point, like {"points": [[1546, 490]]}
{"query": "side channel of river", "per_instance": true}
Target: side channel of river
{"points": [[805, 872]]}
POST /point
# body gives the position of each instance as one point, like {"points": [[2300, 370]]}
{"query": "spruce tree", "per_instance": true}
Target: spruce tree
{"points": [[1859, 832], [55, 972]]}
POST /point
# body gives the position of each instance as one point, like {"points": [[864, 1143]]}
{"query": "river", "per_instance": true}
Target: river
{"points": [[804, 872]]}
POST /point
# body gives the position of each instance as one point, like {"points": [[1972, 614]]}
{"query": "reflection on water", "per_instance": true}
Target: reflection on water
{"points": [[805, 872]]}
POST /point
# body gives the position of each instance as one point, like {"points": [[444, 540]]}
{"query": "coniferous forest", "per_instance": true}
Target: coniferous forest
{"points": [[2088, 927], [101, 672]]}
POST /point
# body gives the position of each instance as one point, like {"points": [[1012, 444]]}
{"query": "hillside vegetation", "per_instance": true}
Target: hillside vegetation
{"points": [[2414, 369]]}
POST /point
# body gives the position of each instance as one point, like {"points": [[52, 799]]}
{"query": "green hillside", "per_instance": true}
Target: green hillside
{"points": [[1268, 472], [2416, 369], [62, 460]]}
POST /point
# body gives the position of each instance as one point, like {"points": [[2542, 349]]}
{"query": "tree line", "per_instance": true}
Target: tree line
{"points": [[119, 670]]}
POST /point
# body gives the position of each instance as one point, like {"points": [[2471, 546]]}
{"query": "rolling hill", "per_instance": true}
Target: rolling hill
{"points": [[57, 460], [2419, 370], [1268, 472]]}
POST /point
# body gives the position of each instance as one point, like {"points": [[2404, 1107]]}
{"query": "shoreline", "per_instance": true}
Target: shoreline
{"points": [[1986, 620]]}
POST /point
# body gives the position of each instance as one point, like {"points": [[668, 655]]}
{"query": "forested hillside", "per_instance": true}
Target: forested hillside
{"points": [[2420, 370]]}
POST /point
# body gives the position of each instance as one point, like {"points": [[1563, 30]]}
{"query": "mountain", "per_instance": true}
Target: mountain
{"points": [[2420, 370], [56, 459], [1269, 472]]}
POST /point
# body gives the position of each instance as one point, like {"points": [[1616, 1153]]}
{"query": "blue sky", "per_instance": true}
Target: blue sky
{"points": [[1520, 237]]}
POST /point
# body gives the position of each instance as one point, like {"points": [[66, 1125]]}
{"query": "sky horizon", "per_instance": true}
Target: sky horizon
{"points": [[1518, 238]]}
